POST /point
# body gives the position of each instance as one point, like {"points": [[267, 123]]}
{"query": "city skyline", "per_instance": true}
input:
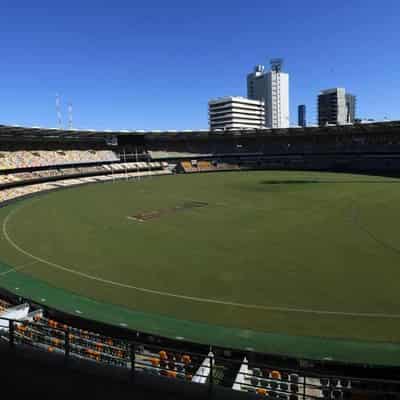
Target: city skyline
{"points": [[119, 64]]}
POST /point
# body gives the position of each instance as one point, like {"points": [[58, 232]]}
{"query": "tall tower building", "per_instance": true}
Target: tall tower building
{"points": [[301, 114], [273, 88], [336, 107]]}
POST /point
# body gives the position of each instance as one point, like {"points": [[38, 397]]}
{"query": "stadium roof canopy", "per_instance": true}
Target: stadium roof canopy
{"points": [[36, 132]]}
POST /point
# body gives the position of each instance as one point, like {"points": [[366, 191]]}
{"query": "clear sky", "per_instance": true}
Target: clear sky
{"points": [[128, 64]]}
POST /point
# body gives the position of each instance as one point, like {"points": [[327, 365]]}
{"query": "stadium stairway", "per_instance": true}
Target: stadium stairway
{"points": [[18, 312]]}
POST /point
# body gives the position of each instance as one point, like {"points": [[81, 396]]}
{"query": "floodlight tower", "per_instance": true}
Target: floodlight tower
{"points": [[69, 115], [58, 111]]}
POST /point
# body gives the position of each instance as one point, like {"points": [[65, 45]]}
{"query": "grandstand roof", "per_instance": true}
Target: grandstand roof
{"points": [[20, 132]]}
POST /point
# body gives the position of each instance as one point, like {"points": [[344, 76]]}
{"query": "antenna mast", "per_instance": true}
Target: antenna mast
{"points": [[276, 64], [58, 111]]}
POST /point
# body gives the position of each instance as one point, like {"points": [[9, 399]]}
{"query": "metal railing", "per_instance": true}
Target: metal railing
{"points": [[208, 369]]}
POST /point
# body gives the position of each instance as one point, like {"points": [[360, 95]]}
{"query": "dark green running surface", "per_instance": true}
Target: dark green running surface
{"points": [[296, 263]]}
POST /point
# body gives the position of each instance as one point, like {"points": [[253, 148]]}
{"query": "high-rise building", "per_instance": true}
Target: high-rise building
{"points": [[350, 108], [336, 107], [301, 114], [236, 113], [273, 88]]}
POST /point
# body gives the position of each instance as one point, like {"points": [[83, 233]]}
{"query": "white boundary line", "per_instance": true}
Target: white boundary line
{"points": [[183, 297], [17, 268]]}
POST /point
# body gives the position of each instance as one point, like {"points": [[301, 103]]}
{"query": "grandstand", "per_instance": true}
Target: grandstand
{"points": [[34, 160], [22, 327], [355, 147], [44, 158]]}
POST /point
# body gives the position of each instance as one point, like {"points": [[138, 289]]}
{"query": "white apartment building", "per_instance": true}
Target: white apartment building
{"points": [[236, 113], [273, 88]]}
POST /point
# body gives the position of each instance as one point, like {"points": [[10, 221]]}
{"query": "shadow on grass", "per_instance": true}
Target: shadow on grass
{"points": [[308, 181]]}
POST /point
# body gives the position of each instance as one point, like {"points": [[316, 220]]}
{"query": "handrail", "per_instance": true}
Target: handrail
{"points": [[135, 359]]}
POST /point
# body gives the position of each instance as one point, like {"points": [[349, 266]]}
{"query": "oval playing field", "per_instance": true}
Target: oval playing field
{"points": [[262, 255]]}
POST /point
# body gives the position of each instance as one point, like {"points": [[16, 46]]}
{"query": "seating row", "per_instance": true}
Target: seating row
{"points": [[40, 158]]}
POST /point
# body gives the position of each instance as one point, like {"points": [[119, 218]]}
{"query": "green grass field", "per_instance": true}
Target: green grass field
{"points": [[296, 253]]}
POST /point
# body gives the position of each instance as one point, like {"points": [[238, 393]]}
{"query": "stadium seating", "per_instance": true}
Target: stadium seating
{"points": [[206, 166], [33, 328], [187, 166], [69, 176], [41, 158], [50, 335], [277, 384]]}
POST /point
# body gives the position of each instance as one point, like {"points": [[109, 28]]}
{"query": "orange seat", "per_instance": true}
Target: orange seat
{"points": [[163, 355], [171, 374], [186, 359], [275, 374], [262, 391], [155, 362]]}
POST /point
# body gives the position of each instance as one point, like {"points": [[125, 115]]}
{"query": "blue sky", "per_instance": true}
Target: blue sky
{"points": [[128, 64]]}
